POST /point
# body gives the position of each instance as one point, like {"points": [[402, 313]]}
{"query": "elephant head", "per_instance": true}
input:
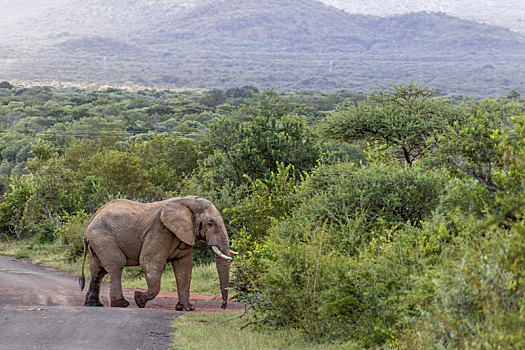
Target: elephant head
{"points": [[194, 218]]}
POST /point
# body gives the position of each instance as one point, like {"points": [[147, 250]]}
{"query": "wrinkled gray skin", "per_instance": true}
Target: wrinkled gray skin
{"points": [[126, 233]]}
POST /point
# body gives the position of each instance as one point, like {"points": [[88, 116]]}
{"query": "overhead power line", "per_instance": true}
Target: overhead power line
{"points": [[84, 132]]}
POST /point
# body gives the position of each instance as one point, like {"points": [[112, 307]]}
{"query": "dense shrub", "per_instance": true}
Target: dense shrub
{"points": [[466, 196], [381, 192], [342, 262], [12, 207], [71, 233], [270, 200], [478, 298], [370, 297]]}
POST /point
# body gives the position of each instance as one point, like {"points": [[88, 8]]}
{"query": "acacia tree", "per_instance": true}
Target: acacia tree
{"points": [[398, 120], [470, 145]]}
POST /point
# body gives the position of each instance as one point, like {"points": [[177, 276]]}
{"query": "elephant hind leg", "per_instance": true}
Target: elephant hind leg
{"points": [[109, 255], [97, 274], [115, 292]]}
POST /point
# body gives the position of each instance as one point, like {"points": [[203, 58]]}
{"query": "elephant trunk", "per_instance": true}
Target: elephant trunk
{"points": [[223, 269], [220, 244]]}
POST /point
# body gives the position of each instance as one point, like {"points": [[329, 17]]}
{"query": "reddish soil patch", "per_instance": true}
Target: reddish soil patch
{"points": [[167, 300]]}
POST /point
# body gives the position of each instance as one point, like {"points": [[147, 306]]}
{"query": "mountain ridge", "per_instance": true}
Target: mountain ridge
{"points": [[505, 13], [284, 44]]}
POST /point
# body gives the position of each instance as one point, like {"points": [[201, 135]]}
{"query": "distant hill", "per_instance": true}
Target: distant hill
{"points": [[505, 13], [284, 44]]}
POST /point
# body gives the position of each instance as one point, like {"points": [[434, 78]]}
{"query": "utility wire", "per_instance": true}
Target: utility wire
{"points": [[85, 132]]}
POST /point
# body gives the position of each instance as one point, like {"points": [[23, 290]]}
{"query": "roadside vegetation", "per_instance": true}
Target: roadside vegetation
{"points": [[387, 220]]}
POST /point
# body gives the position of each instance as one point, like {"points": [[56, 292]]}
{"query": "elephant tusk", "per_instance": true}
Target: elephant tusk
{"points": [[219, 253], [233, 252]]}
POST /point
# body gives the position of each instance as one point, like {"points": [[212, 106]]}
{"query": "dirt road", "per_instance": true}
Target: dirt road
{"points": [[41, 308]]}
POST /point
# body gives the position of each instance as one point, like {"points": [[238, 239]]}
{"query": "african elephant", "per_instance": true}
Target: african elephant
{"points": [[126, 233]]}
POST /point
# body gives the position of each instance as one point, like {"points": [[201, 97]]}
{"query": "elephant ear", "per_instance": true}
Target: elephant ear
{"points": [[180, 220]]}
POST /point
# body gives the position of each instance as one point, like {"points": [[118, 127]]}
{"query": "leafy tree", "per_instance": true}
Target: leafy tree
{"points": [[254, 139], [400, 120], [167, 161], [5, 85], [12, 207], [468, 145], [54, 194], [213, 98], [119, 174], [43, 151]]}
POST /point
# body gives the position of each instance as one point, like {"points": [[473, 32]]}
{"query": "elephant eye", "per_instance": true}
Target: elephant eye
{"points": [[210, 224]]}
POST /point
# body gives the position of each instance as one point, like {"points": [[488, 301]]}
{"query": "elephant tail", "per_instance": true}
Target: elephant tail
{"points": [[82, 279]]}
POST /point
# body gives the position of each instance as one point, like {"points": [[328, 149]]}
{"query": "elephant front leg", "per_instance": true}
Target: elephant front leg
{"points": [[182, 268], [153, 272]]}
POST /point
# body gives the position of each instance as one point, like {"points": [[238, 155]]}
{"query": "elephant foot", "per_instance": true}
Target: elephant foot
{"points": [[182, 307], [119, 303], [93, 303], [140, 299]]}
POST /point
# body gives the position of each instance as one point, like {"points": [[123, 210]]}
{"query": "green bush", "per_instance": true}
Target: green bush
{"points": [[293, 288], [466, 196], [13, 205], [371, 297], [42, 231], [71, 233], [383, 193], [270, 201], [479, 292], [511, 144], [343, 262]]}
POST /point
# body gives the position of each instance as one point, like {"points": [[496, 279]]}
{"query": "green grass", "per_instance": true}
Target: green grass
{"points": [[204, 277], [49, 254], [224, 330]]}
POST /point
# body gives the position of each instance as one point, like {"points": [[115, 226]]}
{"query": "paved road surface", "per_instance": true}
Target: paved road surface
{"points": [[64, 327], [41, 308]]}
